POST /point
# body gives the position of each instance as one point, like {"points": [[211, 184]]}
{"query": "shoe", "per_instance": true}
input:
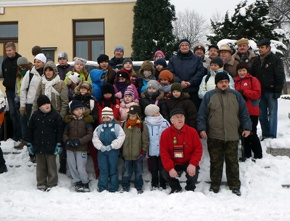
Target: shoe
{"points": [[62, 168], [3, 169], [16, 139], [79, 186], [32, 159], [42, 188], [213, 190], [20, 145], [237, 192], [124, 190], [153, 188], [140, 191], [175, 191], [86, 188]]}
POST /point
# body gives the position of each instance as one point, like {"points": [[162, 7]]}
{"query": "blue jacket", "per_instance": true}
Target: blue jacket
{"points": [[187, 67], [96, 75]]}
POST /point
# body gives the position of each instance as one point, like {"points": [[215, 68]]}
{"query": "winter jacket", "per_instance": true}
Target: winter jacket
{"points": [[270, 74], [80, 129], [108, 72], [157, 99], [82, 77], [17, 89], [63, 69], [116, 63], [187, 105], [187, 67], [124, 108], [221, 113], [210, 84], [252, 92], [9, 70], [154, 131], [114, 105], [44, 131], [186, 136], [231, 67], [248, 58], [59, 93], [142, 80], [96, 75], [136, 140]]}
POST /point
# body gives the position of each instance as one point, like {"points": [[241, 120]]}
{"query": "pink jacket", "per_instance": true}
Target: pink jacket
{"points": [[124, 108]]}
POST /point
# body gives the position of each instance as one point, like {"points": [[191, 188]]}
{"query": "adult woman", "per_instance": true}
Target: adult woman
{"points": [[103, 61], [79, 67]]}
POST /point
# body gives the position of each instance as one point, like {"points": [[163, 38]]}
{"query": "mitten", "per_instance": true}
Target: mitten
{"points": [[276, 95], [22, 110], [118, 95], [76, 143], [103, 148], [142, 155], [108, 148], [30, 148], [58, 149]]}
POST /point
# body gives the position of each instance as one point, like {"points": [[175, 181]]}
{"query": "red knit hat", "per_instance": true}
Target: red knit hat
{"points": [[165, 74]]}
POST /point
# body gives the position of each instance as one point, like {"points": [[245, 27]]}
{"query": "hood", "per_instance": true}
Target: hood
{"points": [[84, 84], [52, 65], [147, 65], [96, 75]]}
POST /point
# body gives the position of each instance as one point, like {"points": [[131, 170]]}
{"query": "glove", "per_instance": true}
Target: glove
{"points": [[76, 143], [108, 148], [142, 155], [68, 143], [103, 148], [22, 110], [58, 149], [30, 148], [276, 95]]}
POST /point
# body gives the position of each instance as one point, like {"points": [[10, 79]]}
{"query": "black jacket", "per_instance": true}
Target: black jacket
{"points": [[9, 70], [116, 63], [270, 74], [45, 131]]}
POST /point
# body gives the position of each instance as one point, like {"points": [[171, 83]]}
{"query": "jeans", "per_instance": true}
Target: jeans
{"points": [[131, 165], [268, 115], [13, 114]]}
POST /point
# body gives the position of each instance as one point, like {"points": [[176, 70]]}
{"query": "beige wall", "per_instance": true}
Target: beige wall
{"points": [[52, 26]]}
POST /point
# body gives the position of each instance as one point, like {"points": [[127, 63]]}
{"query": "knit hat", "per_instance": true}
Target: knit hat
{"points": [[107, 88], [198, 46], [264, 41], [75, 104], [107, 112], [151, 110], [135, 109], [242, 41], [119, 47], [176, 111], [102, 58], [225, 48], [165, 74], [22, 61], [129, 92], [213, 46], [242, 65], [62, 55], [123, 74], [74, 77], [176, 87], [153, 83], [184, 41], [78, 60], [36, 50], [41, 57], [221, 76], [160, 61], [42, 99], [217, 60], [159, 52], [127, 60]]}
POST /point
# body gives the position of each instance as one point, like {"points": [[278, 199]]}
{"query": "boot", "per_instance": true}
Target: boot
{"points": [[32, 159], [62, 168], [21, 145], [3, 168]]}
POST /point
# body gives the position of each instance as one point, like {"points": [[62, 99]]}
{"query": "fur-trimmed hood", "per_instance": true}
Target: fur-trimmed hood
{"points": [[84, 84], [147, 65]]}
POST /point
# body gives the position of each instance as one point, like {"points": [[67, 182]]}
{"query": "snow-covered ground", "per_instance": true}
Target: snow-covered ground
{"points": [[263, 197]]}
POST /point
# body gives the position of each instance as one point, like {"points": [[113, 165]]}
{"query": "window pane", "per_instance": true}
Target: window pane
{"points": [[8, 31], [82, 49], [89, 28], [97, 49]]}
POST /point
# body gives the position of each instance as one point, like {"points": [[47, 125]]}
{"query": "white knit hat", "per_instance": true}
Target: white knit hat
{"points": [[41, 57], [74, 77], [108, 112], [151, 110]]}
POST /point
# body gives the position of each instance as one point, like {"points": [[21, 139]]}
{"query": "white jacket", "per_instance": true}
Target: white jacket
{"points": [[27, 97]]}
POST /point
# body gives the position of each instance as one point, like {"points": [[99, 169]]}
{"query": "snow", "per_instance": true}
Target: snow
{"points": [[243, 11], [263, 197]]}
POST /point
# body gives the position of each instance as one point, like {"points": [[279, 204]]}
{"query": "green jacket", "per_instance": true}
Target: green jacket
{"points": [[82, 77]]}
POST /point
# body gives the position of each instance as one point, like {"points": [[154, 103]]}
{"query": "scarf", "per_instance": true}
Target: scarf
{"points": [[228, 59], [154, 120], [49, 86], [165, 88], [132, 123], [23, 72], [122, 86], [40, 71]]}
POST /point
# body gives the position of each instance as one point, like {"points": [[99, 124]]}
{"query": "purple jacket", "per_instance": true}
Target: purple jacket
{"points": [[62, 70]]}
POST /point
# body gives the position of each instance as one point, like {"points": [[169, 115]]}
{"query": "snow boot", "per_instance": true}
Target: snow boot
{"points": [[3, 169], [86, 188], [79, 186], [62, 168], [20, 145], [237, 192]]}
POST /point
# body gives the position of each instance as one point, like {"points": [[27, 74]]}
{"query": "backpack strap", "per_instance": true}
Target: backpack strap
{"points": [[207, 77], [156, 102], [60, 85], [30, 78]]}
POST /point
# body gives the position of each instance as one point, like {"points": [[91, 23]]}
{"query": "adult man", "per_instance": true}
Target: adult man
{"points": [[243, 53], [268, 68], [199, 50], [116, 62], [230, 64], [187, 69], [221, 112], [213, 51], [9, 70], [180, 150], [63, 66]]}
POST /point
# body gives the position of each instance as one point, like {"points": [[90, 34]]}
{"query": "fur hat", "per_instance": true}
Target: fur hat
{"points": [[36, 50], [124, 74], [198, 46], [107, 88], [102, 58], [119, 47], [41, 57], [158, 52], [225, 48], [62, 55], [75, 104], [135, 109], [242, 65], [184, 41], [78, 60], [153, 83], [165, 74], [107, 112], [129, 92], [160, 61], [127, 60], [176, 87], [42, 99], [176, 111], [87, 85], [22, 61], [242, 41], [221, 76], [151, 110], [74, 77], [264, 41], [217, 60]]}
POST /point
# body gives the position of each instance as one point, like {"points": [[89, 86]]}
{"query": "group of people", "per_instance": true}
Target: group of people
{"points": [[160, 114]]}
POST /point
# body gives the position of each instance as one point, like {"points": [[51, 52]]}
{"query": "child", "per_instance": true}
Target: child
{"points": [[72, 83], [146, 73], [63, 67], [158, 54], [250, 88], [128, 66], [128, 101], [123, 81], [156, 125], [3, 167], [77, 134], [44, 136], [165, 80], [135, 148], [181, 100], [108, 139], [159, 65], [79, 67], [103, 61], [98, 79]]}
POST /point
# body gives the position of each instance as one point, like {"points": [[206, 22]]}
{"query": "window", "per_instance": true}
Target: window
{"points": [[49, 52], [89, 39]]}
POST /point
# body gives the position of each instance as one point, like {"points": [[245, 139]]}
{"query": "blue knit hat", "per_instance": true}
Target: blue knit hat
{"points": [[119, 47], [75, 104]]}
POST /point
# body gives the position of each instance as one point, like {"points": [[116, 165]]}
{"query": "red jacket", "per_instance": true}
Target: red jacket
{"points": [[252, 91], [187, 136], [115, 108]]}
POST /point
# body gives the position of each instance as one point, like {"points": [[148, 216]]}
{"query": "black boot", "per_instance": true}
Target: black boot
{"points": [[3, 168], [62, 168]]}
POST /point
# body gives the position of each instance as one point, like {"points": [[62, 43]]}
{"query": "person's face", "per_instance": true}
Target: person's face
{"points": [[10, 52], [132, 116], [159, 67], [104, 65], [69, 81], [151, 89], [78, 111], [243, 48], [78, 67], [242, 72], [49, 73], [214, 67], [107, 96], [156, 115], [62, 61], [106, 119], [213, 52], [121, 79], [45, 107], [184, 48], [199, 52], [22, 68], [225, 54], [128, 66], [128, 99], [164, 82], [157, 56], [119, 53], [38, 64], [264, 49], [223, 84], [178, 121], [83, 91], [176, 93]]}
